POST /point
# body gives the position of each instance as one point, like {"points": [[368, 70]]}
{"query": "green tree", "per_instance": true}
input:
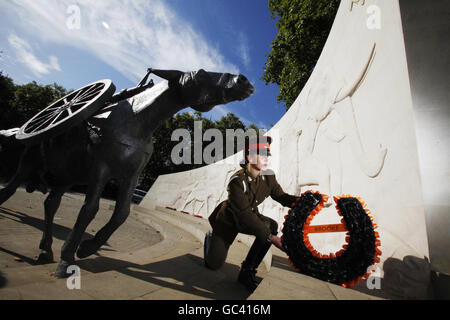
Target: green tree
{"points": [[31, 98], [19, 103], [259, 131], [161, 162], [229, 121], [7, 115], [303, 27]]}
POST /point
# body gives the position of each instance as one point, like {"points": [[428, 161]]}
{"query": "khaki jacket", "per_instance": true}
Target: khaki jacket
{"points": [[239, 213]]}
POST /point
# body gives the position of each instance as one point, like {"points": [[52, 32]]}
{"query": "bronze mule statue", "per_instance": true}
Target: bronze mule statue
{"points": [[119, 150]]}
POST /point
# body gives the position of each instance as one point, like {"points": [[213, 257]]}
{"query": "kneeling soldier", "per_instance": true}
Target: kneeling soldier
{"points": [[247, 188]]}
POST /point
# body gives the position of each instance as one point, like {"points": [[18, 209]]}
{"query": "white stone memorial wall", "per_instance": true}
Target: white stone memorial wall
{"points": [[350, 131]]}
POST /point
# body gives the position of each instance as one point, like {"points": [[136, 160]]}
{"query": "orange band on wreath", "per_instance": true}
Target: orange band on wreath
{"points": [[307, 229], [325, 228]]}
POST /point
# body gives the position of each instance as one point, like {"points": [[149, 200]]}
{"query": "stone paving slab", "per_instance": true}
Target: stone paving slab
{"points": [[168, 267], [285, 284], [156, 254], [281, 282]]}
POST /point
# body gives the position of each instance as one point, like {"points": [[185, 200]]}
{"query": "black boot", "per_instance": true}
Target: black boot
{"points": [[260, 257], [247, 275]]}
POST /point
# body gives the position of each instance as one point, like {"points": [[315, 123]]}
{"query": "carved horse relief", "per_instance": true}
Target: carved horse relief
{"points": [[353, 2], [326, 105]]}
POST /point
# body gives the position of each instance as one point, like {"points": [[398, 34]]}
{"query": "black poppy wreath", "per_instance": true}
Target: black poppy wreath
{"points": [[345, 267]]}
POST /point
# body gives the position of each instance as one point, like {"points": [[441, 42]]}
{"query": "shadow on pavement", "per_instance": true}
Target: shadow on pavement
{"points": [[186, 273], [183, 273], [409, 278], [3, 281], [59, 232], [19, 256]]}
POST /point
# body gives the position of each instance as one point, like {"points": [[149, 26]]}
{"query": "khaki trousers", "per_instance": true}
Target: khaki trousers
{"points": [[223, 237]]}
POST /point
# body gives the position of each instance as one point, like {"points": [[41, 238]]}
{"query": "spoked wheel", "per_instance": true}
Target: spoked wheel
{"points": [[68, 111]]}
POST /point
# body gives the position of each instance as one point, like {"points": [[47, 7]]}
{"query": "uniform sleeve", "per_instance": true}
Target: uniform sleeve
{"points": [[239, 204], [279, 195]]}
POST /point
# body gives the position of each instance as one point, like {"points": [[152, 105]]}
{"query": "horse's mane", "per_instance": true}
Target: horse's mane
{"points": [[145, 99]]}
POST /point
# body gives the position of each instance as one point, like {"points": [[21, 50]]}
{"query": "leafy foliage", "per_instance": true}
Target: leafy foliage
{"points": [[303, 27], [161, 162], [18, 103]]}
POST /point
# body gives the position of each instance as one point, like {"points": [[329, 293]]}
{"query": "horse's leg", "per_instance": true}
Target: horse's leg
{"points": [[51, 205], [120, 214], [97, 182], [8, 191], [26, 166]]}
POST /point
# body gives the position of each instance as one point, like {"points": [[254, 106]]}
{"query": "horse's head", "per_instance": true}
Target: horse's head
{"points": [[203, 90]]}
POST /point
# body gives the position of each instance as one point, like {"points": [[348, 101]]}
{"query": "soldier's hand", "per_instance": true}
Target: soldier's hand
{"points": [[276, 241]]}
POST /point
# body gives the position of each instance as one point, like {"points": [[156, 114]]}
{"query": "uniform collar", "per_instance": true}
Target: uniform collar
{"points": [[249, 176]]}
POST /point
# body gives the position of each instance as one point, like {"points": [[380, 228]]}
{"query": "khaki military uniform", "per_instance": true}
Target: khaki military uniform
{"points": [[239, 213]]}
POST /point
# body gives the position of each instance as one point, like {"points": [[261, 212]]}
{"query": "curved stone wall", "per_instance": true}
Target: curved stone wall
{"points": [[350, 131]]}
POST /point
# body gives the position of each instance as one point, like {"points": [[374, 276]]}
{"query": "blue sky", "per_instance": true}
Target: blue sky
{"points": [[74, 43]]}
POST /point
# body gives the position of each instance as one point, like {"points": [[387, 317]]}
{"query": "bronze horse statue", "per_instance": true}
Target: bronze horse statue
{"points": [[119, 150]]}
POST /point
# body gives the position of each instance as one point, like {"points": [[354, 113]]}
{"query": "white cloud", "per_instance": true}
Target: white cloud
{"points": [[54, 63], [216, 113], [222, 110], [261, 125], [140, 34], [26, 56], [244, 49]]}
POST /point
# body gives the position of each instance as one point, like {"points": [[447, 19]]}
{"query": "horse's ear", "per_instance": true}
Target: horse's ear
{"points": [[201, 75]]}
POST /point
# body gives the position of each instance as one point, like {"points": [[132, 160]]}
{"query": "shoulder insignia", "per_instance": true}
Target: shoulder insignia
{"points": [[238, 175]]}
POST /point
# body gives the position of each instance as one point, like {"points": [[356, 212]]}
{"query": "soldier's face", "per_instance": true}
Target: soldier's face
{"points": [[258, 161]]}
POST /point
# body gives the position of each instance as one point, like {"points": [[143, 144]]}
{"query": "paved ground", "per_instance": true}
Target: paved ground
{"points": [[156, 254], [21, 225]]}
